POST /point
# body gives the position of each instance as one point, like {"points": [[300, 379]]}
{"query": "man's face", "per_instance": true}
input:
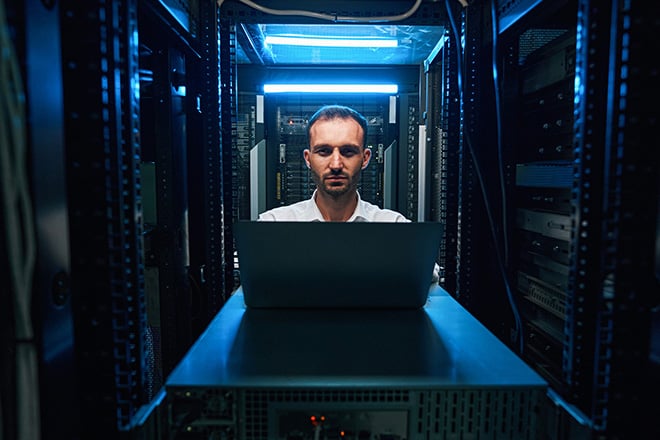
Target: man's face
{"points": [[336, 155]]}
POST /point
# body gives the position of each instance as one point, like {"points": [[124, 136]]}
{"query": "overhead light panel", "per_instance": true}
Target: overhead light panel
{"points": [[330, 42], [331, 88]]}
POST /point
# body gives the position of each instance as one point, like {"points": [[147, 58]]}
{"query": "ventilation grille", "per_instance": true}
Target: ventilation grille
{"points": [[497, 414], [534, 39], [256, 403], [478, 414]]}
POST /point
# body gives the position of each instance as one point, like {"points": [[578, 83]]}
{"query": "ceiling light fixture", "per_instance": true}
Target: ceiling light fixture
{"points": [[330, 42], [331, 88]]}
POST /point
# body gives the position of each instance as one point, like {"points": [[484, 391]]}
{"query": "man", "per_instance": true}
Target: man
{"points": [[336, 155]]}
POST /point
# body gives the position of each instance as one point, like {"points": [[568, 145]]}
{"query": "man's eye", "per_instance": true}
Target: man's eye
{"points": [[323, 151], [348, 152]]}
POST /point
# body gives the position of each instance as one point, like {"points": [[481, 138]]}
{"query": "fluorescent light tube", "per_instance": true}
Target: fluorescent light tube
{"points": [[330, 42], [331, 88]]}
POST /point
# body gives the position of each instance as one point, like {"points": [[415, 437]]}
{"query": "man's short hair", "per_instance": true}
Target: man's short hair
{"points": [[328, 112]]}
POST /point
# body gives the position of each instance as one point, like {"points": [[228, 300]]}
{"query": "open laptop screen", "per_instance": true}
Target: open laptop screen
{"points": [[336, 265]]}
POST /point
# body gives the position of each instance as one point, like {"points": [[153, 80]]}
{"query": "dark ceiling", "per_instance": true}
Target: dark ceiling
{"points": [[416, 25]]}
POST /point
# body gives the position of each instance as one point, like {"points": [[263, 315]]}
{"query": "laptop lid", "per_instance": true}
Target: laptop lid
{"points": [[336, 264]]}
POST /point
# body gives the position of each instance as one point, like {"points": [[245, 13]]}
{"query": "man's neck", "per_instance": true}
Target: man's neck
{"points": [[336, 209]]}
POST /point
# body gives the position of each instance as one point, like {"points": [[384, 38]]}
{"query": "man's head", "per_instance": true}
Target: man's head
{"points": [[337, 149], [340, 112]]}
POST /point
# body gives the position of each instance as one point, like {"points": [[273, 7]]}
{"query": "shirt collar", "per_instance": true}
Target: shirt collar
{"points": [[358, 215]]}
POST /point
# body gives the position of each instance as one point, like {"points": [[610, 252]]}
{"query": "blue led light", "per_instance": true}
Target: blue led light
{"points": [[330, 42], [331, 88]]}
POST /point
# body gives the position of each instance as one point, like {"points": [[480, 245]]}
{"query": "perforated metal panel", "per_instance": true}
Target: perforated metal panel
{"points": [[429, 414]]}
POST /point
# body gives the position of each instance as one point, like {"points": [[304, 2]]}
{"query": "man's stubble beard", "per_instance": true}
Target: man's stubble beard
{"points": [[338, 191]]}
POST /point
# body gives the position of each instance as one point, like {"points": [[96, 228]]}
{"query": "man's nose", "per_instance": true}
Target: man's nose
{"points": [[335, 160]]}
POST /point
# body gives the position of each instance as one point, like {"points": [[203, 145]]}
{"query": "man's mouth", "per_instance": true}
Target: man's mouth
{"points": [[335, 180]]}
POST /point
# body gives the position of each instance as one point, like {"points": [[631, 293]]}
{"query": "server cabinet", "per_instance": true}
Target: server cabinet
{"points": [[568, 112], [248, 134], [412, 137], [184, 174], [622, 287], [442, 109], [101, 134], [538, 96], [483, 284], [123, 105], [86, 295], [164, 167]]}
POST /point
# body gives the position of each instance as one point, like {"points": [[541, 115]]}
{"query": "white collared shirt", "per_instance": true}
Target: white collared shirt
{"points": [[308, 211]]}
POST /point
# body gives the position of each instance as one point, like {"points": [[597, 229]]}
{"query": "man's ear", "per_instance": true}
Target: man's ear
{"points": [[366, 157], [306, 157]]}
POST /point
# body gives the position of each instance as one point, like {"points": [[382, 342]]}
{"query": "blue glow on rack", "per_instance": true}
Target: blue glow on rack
{"points": [[331, 88], [330, 42]]}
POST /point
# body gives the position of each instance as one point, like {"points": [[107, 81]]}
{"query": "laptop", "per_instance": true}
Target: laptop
{"points": [[336, 264]]}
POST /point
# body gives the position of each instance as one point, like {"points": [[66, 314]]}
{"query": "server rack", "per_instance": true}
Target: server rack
{"points": [[621, 287], [124, 97], [443, 129], [482, 174], [571, 112], [410, 141], [246, 139], [164, 166], [540, 99], [228, 101], [98, 358], [182, 83], [188, 269], [101, 126]]}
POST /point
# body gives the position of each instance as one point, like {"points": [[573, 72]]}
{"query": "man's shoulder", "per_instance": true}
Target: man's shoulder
{"points": [[293, 212], [374, 213]]}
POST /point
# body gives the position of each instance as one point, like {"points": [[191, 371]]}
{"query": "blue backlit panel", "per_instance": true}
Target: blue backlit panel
{"points": [[376, 44]]}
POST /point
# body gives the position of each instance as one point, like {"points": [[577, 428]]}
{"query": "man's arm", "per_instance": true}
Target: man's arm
{"points": [[267, 216]]}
